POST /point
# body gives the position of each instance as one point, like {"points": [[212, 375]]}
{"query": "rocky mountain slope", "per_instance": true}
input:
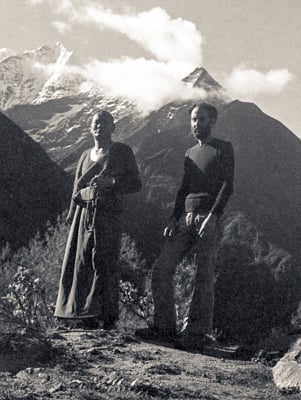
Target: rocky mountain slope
{"points": [[36, 76], [111, 365], [33, 188], [62, 126]]}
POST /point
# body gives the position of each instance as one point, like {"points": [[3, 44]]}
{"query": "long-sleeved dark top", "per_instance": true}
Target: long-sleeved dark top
{"points": [[120, 164], [206, 168]]}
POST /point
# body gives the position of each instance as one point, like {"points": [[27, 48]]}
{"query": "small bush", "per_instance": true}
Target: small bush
{"points": [[257, 288], [131, 264], [258, 284], [25, 305], [30, 279], [184, 284]]}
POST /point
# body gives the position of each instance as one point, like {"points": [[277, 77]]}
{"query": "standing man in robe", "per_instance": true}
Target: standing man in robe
{"points": [[206, 187], [89, 284]]}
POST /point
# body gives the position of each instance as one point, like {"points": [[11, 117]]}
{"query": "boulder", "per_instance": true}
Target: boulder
{"points": [[287, 372]]}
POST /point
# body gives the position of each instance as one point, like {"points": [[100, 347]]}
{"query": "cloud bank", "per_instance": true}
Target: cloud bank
{"points": [[249, 83], [175, 42], [61, 26], [175, 49], [146, 82]]}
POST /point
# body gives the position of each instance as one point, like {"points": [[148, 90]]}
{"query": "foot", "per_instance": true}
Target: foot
{"points": [[152, 333], [89, 323], [76, 323], [61, 324], [189, 345], [194, 342], [109, 326]]}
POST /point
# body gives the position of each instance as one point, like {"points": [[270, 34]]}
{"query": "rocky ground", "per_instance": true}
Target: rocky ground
{"points": [[112, 365]]}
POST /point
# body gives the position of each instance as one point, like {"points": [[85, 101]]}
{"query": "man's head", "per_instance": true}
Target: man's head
{"points": [[202, 118], [102, 125]]}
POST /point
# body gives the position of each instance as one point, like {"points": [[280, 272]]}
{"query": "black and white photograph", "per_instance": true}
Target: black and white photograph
{"points": [[150, 199]]}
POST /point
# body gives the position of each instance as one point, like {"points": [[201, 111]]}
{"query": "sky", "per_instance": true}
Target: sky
{"points": [[143, 48]]}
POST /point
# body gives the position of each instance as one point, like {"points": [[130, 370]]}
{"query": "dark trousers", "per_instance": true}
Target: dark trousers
{"points": [[200, 320]]}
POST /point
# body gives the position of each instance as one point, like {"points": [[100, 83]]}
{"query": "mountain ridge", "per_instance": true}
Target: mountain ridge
{"points": [[36, 76], [34, 189]]}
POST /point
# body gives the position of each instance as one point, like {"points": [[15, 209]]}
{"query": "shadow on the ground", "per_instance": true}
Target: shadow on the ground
{"points": [[19, 351]]}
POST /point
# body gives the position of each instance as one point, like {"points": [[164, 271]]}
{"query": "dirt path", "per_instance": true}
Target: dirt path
{"points": [[102, 365]]}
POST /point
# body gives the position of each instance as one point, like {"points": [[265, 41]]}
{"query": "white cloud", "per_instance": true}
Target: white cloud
{"points": [[61, 27], [146, 82], [248, 83], [176, 42], [176, 49], [64, 6]]}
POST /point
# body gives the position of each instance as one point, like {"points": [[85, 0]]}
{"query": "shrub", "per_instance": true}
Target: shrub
{"points": [[24, 304], [258, 284], [184, 283], [131, 264], [30, 279]]}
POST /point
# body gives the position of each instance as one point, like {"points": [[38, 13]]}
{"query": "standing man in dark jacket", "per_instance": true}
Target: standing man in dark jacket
{"points": [[89, 284], [206, 186]]}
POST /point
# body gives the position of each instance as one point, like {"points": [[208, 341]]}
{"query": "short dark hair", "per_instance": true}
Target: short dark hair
{"points": [[212, 111], [104, 113]]}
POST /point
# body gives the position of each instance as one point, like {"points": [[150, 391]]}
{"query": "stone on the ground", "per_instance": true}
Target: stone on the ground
{"points": [[287, 372]]}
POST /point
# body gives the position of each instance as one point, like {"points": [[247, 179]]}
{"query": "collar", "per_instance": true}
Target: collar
{"points": [[207, 140]]}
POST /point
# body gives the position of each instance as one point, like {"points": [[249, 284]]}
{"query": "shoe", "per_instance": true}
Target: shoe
{"points": [[194, 342], [152, 333], [189, 345], [109, 326], [88, 324], [61, 324]]}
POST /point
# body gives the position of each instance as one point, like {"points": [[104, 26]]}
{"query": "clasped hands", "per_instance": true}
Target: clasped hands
{"points": [[103, 182], [202, 223]]}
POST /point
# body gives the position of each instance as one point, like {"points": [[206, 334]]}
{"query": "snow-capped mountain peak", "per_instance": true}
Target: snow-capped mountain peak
{"points": [[200, 78], [43, 74], [35, 76]]}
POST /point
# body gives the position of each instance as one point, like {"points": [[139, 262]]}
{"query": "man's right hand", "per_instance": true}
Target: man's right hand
{"points": [[103, 182], [69, 220], [170, 229]]}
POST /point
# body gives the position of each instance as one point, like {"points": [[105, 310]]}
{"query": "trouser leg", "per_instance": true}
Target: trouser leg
{"points": [[201, 311], [162, 279]]}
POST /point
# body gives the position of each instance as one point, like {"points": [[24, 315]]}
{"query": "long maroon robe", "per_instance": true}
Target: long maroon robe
{"points": [[89, 278]]}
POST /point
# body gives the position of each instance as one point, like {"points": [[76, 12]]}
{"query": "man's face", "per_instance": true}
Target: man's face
{"points": [[200, 123], [101, 127]]}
